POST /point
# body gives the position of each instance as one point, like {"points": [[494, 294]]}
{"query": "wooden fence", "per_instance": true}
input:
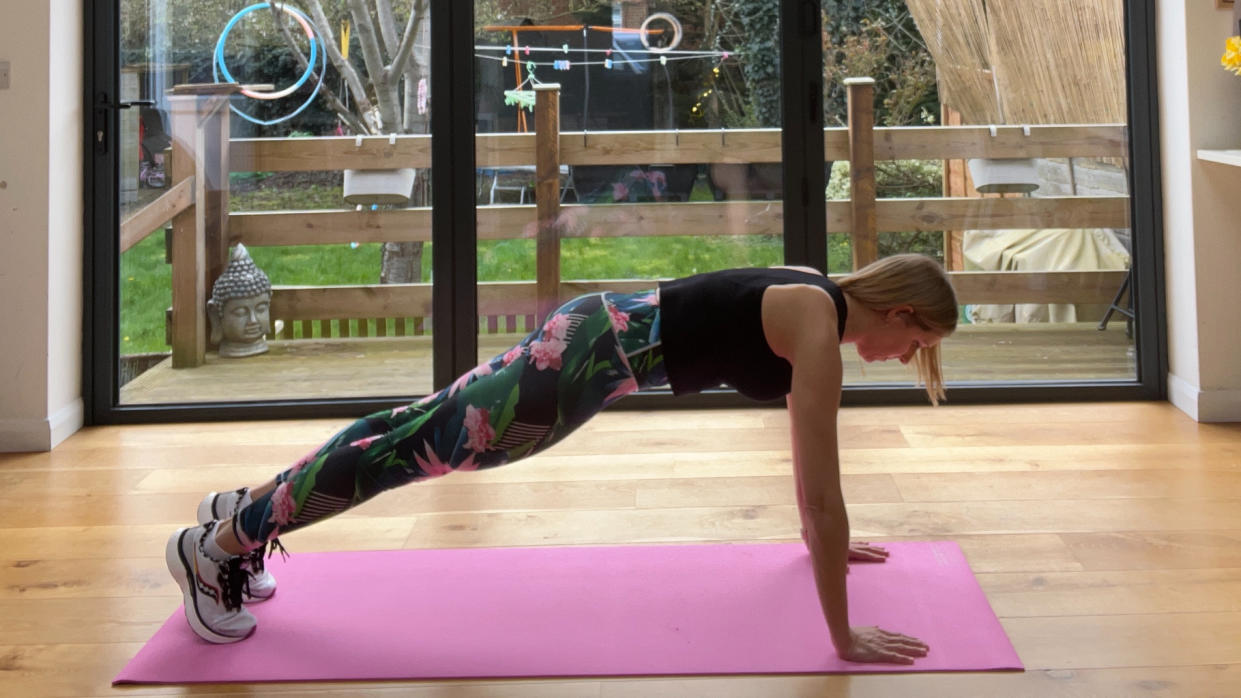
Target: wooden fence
{"points": [[203, 229]]}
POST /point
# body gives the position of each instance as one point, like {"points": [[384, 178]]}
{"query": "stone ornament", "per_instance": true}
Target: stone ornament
{"points": [[239, 307]]}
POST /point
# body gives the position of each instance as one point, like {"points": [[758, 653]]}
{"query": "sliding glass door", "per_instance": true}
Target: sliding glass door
{"points": [[320, 207]]}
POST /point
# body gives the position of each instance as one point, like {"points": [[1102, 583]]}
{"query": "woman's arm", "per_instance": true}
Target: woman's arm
{"points": [[813, 404], [799, 322], [800, 325]]}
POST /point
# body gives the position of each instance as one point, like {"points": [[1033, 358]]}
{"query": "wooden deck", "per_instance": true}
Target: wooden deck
{"points": [[1108, 541], [337, 368]]}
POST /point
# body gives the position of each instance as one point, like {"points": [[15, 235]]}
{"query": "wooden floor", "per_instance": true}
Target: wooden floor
{"points": [[1106, 536], [339, 368]]}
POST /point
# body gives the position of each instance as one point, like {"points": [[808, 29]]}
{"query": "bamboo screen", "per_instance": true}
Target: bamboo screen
{"points": [[1054, 61]]}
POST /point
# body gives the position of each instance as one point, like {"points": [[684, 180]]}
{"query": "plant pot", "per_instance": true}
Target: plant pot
{"points": [[1003, 176], [367, 187]]}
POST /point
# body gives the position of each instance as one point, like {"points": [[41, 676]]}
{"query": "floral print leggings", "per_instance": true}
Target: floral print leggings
{"points": [[592, 351]]}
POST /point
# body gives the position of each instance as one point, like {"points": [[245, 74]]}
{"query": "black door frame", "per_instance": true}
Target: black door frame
{"points": [[454, 233]]}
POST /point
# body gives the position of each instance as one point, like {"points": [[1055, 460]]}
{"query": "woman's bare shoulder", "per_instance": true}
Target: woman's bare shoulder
{"points": [[796, 315]]}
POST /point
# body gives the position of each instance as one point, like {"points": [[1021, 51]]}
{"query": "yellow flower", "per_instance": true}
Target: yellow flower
{"points": [[1231, 60]]}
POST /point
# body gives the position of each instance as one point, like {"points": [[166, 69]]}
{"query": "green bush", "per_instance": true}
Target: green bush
{"points": [[894, 179]]}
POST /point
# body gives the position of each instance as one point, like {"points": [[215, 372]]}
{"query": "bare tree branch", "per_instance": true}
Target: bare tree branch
{"points": [[385, 91], [401, 63], [407, 39], [354, 82], [346, 114], [416, 65], [387, 25]]}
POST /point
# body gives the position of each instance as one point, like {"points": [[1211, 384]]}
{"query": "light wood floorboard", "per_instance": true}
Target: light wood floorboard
{"points": [[1107, 537]]}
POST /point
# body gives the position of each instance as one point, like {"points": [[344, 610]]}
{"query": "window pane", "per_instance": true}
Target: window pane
{"points": [[1001, 146], [318, 168], [668, 157]]}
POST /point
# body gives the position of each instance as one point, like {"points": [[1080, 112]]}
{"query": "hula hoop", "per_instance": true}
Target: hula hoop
{"points": [[676, 32], [218, 66]]}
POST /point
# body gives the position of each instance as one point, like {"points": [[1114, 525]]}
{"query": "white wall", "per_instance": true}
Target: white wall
{"points": [[1199, 107], [41, 224]]}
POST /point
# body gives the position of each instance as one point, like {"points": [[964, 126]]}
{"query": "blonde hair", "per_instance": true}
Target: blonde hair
{"points": [[921, 283]]}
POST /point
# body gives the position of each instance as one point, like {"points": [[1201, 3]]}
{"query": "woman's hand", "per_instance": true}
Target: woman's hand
{"points": [[865, 552], [875, 645], [861, 552]]}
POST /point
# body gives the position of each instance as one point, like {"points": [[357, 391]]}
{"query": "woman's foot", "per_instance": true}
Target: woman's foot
{"points": [[222, 506], [212, 588]]}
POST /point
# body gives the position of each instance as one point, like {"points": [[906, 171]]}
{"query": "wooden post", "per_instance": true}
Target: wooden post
{"points": [[199, 235], [862, 169], [189, 300], [215, 126], [547, 196], [955, 185]]}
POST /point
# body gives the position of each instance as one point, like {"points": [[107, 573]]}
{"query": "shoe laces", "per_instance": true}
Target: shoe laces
{"points": [[255, 557], [241, 494], [232, 579]]}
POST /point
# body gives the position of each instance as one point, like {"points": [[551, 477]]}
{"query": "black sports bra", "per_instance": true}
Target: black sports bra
{"points": [[712, 330]]}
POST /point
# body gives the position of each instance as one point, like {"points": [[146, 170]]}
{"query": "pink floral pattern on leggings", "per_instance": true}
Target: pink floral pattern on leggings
{"points": [[478, 428], [557, 327], [619, 319], [546, 354], [283, 507]]}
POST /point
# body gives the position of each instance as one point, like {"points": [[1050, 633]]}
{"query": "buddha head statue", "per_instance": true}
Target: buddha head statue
{"points": [[238, 309]]}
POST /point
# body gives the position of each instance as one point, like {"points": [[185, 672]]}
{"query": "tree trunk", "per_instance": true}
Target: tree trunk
{"points": [[402, 261]]}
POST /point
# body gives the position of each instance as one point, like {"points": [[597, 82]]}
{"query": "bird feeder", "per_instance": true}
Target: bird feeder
{"points": [[370, 187], [1003, 176], [392, 187]]}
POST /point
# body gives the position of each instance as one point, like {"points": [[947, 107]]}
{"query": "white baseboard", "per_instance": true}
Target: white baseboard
{"points": [[1220, 405], [1183, 395], [30, 435], [66, 422]]}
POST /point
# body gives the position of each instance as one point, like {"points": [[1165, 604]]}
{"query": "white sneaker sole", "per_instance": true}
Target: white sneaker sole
{"points": [[181, 570]]}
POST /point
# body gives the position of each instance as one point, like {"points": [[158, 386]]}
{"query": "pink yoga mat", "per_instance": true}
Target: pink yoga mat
{"points": [[582, 611]]}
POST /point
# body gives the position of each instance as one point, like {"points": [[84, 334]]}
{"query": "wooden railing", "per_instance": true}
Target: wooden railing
{"points": [[203, 231]]}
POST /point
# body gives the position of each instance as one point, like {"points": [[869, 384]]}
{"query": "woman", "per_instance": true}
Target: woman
{"points": [[766, 332]]}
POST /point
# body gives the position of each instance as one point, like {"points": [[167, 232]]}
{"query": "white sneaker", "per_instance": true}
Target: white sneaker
{"points": [[218, 506], [222, 506], [212, 590]]}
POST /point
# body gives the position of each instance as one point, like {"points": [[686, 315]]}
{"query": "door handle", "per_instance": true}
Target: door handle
{"points": [[103, 103], [102, 107]]}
